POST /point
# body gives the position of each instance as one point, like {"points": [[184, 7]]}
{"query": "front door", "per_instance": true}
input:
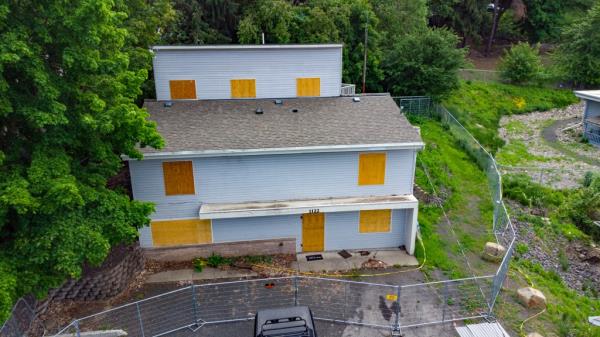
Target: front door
{"points": [[313, 232]]}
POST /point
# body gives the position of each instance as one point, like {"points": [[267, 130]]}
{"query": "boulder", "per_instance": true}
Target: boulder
{"points": [[531, 298], [593, 256], [534, 334], [493, 252]]}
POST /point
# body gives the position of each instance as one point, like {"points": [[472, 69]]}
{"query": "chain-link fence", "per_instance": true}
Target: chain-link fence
{"points": [[503, 228], [197, 309], [21, 318], [421, 105]]}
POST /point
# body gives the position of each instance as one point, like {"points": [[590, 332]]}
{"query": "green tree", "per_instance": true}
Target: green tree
{"points": [[69, 74], [400, 17], [467, 18], [521, 63], [321, 21], [578, 54], [424, 63], [193, 26]]}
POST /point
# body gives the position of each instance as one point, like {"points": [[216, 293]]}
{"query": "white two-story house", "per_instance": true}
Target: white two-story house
{"points": [[262, 150]]}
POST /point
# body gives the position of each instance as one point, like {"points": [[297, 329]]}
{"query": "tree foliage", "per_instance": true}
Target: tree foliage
{"points": [[578, 55], [320, 21], [69, 75], [521, 63], [424, 63]]}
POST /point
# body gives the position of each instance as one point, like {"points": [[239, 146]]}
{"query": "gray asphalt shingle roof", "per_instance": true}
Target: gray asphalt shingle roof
{"points": [[320, 121]]}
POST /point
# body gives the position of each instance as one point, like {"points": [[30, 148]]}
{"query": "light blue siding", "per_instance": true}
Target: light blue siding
{"points": [[341, 232], [258, 228], [592, 109], [268, 177], [275, 70]]}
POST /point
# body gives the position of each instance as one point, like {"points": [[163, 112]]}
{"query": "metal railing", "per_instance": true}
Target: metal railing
{"points": [[205, 309], [421, 105], [347, 89]]}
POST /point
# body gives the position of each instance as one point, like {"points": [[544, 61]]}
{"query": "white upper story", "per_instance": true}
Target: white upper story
{"points": [[247, 71]]}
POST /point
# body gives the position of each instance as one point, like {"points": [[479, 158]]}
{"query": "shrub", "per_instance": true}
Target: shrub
{"points": [[199, 264], [521, 64], [216, 260], [519, 187], [424, 63], [522, 248]]}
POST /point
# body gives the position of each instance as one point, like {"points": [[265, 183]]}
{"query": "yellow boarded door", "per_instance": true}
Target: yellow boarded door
{"points": [[181, 232], [313, 232]]}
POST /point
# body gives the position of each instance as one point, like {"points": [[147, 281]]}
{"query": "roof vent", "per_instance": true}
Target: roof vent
{"points": [[355, 99], [259, 111], [278, 101], [168, 104], [294, 110]]}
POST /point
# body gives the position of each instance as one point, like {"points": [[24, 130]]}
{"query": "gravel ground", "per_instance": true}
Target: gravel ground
{"points": [[583, 268], [553, 166]]}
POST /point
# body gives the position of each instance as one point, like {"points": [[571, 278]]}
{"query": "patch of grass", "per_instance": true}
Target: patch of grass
{"points": [[479, 106], [216, 260], [515, 153], [563, 260], [464, 188], [567, 310], [516, 127], [521, 248]]}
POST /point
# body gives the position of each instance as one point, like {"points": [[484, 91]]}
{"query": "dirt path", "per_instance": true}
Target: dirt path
{"points": [[550, 135], [538, 145]]}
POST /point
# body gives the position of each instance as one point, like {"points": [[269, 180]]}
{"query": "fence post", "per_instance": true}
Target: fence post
{"points": [[445, 302], [139, 316], [195, 303], [295, 290], [397, 326], [345, 299], [77, 332]]}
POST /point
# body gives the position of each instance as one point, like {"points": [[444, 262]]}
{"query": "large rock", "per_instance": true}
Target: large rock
{"points": [[534, 334], [493, 252], [531, 298], [593, 256]]}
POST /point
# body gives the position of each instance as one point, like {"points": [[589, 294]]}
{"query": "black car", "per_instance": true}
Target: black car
{"points": [[285, 322]]}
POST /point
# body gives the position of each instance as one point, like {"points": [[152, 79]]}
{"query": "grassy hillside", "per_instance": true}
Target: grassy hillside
{"points": [[463, 186], [479, 106]]}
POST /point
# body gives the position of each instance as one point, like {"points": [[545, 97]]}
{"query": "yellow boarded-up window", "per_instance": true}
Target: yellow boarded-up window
{"points": [[179, 177], [371, 169], [243, 88], [308, 86], [376, 221], [182, 89], [181, 232]]}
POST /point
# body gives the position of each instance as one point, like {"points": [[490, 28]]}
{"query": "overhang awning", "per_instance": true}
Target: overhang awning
{"points": [[285, 207]]}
